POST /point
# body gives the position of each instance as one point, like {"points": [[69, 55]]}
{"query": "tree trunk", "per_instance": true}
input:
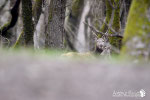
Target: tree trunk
{"points": [[116, 41], [55, 28], [137, 33], [109, 10], [27, 22]]}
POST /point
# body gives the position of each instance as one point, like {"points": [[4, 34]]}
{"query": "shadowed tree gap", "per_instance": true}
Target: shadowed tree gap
{"points": [[14, 17], [71, 23], [37, 9]]}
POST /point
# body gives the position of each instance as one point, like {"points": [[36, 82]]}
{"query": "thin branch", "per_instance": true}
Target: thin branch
{"points": [[2, 40], [115, 5], [98, 32], [109, 27]]}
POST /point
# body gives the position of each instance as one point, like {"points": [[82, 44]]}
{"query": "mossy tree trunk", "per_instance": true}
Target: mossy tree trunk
{"points": [[137, 33], [27, 22], [109, 10], [116, 41], [112, 19]]}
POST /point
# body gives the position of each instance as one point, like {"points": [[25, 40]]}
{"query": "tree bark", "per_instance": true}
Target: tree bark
{"points": [[137, 33], [37, 9], [27, 22], [116, 41], [109, 10], [55, 28]]}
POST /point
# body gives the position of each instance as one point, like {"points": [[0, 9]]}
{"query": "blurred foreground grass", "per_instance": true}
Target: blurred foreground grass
{"points": [[27, 74], [32, 52], [64, 55]]}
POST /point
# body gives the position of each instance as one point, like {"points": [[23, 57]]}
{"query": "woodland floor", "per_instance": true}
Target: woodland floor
{"points": [[27, 76]]}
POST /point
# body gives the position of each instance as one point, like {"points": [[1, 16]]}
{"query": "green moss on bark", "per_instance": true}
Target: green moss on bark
{"points": [[108, 16], [116, 41], [138, 25], [50, 17], [137, 19], [20, 41], [4, 28]]}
